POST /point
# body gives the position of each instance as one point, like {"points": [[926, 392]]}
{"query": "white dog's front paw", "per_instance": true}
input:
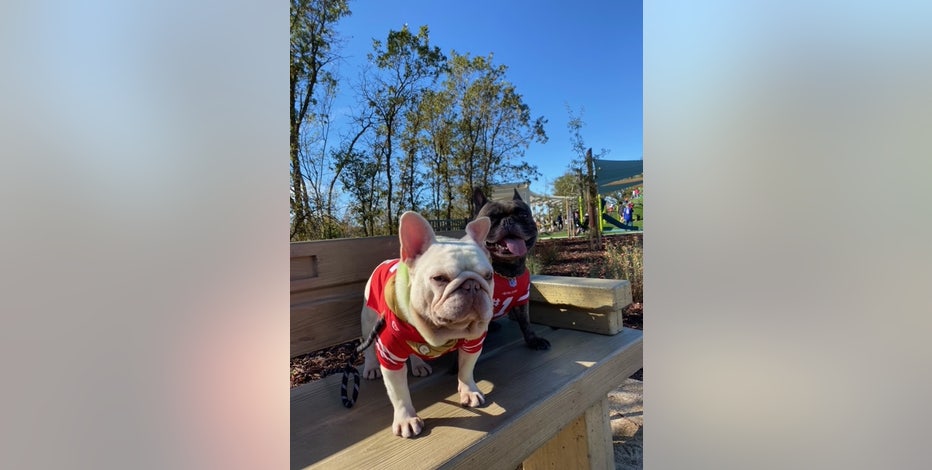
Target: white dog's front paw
{"points": [[470, 394], [407, 425]]}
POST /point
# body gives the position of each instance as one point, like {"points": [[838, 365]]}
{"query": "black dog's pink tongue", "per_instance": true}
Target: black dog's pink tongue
{"points": [[516, 246]]}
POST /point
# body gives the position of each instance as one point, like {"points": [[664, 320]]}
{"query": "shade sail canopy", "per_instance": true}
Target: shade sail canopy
{"points": [[616, 175], [610, 176]]}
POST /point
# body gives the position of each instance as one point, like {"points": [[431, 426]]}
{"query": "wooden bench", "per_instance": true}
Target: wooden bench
{"points": [[544, 409]]}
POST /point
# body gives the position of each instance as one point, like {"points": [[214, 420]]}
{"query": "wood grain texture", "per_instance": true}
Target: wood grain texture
{"points": [[585, 443], [338, 262], [597, 295], [568, 449], [326, 322], [327, 282], [530, 396], [594, 305], [599, 435]]}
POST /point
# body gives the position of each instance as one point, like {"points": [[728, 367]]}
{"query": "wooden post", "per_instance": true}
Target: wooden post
{"points": [[567, 218], [584, 443]]}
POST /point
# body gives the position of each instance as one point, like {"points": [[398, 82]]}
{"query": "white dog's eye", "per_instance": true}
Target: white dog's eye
{"points": [[488, 277], [440, 278]]}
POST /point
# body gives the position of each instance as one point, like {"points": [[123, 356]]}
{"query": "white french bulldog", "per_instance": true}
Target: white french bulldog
{"points": [[435, 299]]}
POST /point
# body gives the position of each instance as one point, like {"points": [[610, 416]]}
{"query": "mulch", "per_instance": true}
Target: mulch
{"points": [[576, 257]]}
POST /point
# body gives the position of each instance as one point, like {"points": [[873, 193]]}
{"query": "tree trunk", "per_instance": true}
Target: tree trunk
{"points": [[301, 203], [388, 176], [593, 202]]}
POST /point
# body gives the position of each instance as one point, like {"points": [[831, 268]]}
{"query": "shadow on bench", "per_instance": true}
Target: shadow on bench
{"points": [[530, 397]]}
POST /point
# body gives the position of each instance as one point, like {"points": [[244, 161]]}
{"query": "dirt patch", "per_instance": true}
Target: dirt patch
{"points": [[317, 365]]}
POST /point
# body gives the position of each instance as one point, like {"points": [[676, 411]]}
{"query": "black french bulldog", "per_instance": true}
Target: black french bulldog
{"points": [[512, 235]]}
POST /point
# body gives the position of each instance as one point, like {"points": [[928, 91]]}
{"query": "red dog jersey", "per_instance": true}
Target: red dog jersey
{"points": [[399, 339], [510, 292]]}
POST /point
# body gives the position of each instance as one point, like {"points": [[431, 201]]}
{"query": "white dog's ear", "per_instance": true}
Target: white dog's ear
{"points": [[415, 234], [478, 229]]}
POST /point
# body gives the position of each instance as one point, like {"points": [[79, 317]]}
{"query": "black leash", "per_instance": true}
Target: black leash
{"points": [[350, 369]]}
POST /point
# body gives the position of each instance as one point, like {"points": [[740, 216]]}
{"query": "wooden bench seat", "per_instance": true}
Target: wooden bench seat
{"points": [[545, 409], [530, 397]]}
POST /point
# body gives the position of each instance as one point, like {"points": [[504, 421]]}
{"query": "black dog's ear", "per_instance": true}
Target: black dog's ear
{"points": [[478, 200], [517, 196]]}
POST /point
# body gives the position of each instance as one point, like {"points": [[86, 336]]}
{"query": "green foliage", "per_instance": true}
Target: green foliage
{"points": [[567, 185], [426, 130], [573, 184], [438, 139], [312, 39], [407, 65], [624, 262], [409, 55], [544, 254], [360, 175], [492, 124], [575, 125]]}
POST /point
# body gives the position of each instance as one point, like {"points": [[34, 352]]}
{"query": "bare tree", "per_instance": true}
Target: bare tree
{"points": [[312, 37]]}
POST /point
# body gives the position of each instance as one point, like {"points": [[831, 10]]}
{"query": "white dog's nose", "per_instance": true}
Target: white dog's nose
{"points": [[471, 285]]}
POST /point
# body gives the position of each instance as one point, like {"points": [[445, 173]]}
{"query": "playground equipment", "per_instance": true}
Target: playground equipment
{"points": [[610, 176], [613, 176]]}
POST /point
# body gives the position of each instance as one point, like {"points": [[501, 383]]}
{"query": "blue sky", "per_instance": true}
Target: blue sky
{"points": [[585, 54]]}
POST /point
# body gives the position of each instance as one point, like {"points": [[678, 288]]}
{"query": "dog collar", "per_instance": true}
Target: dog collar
{"points": [[398, 303], [427, 350]]}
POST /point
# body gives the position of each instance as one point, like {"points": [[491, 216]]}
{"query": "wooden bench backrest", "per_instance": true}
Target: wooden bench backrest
{"points": [[327, 282]]}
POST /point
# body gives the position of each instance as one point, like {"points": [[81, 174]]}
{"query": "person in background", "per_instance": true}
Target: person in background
{"points": [[579, 225]]}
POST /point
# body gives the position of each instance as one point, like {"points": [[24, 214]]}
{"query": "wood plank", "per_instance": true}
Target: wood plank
{"points": [[326, 263], [325, 322], [599, 435], [342, 290], [597, 295], [327, 282], [568, 449], [333, 262], [606, 323], [594, 305], [530, 396], [584, 443], [389, 242]]}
